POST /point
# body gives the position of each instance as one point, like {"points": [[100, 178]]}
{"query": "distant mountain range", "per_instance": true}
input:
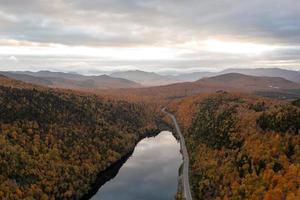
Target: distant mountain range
{"points": [[155, 79], [248, 83], [268, 86], [224, 82], [71, 81], [267, 72], [146, 78], [137, 78]]}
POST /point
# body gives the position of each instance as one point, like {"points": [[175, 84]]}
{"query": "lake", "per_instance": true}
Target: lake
{"points": [[150, 173]]}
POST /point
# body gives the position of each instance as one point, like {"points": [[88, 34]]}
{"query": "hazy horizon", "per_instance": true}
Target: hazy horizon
{"points": [[164, 73]]}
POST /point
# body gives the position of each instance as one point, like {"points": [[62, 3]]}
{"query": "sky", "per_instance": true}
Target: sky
{"points": [[166, 36]]}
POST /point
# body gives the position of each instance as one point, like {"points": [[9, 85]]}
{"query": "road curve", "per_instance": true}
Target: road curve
{"points": [[185, 173]]}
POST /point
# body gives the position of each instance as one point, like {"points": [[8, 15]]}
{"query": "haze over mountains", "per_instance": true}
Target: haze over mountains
{"points": [[268, 72], [71, 81], [276, 87], [137, 79], [249, 83], [145, 78], [155, 79]]}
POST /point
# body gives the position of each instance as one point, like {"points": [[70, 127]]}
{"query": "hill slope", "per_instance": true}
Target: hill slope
{"points": [[241, 146], [53, 144], [8, 82], [71, 81], [265, 72], [268, 72], [246, 82], [226, 82]]}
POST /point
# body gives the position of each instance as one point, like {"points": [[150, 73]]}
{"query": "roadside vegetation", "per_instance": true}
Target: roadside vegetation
{"points": [[241, 146]]}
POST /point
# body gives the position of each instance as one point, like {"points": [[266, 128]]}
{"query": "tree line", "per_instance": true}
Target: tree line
{"points": [[53, 144], [241, 146]]}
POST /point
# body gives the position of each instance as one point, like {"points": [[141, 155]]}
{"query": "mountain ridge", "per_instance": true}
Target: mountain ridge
{"points": [[145, 78], [267, 72], [232, 82], [71, 81]]}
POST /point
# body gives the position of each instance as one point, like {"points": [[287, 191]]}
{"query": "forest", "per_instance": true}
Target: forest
{"points": [[54, 143], [241, 146]]}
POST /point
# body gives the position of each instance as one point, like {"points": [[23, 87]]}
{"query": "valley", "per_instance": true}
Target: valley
{"points": [[149, 100], [84, 139], [54, 143]]}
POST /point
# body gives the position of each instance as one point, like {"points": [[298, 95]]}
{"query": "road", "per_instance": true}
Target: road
{"points": [[185, 173]]}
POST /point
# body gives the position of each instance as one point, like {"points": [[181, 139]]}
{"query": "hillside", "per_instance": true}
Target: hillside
{"points": [[250, 83], [227, 82], [8, 82], [71, 81], [241, 146], [264, 72], [268, 72], [145, 78], [53, 144]]}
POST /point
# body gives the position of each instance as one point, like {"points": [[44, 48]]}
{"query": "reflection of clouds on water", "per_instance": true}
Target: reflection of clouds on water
{"points": [[150, 173]]}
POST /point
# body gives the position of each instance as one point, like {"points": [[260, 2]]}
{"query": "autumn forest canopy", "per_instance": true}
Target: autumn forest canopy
{"points": [[54, 142], [241, 146], [97, 95]]}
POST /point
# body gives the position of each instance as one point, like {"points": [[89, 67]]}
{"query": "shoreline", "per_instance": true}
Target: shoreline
{"points": [[111, 171]]}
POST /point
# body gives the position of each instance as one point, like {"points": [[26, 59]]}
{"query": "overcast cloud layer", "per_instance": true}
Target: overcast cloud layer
{"points": [[168, 35]]}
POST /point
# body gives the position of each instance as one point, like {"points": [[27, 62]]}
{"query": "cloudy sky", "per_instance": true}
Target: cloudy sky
{"points": [[153, 35]]}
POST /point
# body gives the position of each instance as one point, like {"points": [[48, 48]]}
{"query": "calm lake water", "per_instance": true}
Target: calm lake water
{"points": [[150, 173]]}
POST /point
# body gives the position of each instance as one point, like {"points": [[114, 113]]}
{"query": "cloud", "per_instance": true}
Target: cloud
{"points": [[13, 59], [168, 24], [137, 22]]}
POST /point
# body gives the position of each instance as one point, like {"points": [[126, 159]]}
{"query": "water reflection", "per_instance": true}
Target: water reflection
{"points": [[150, 173]]}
